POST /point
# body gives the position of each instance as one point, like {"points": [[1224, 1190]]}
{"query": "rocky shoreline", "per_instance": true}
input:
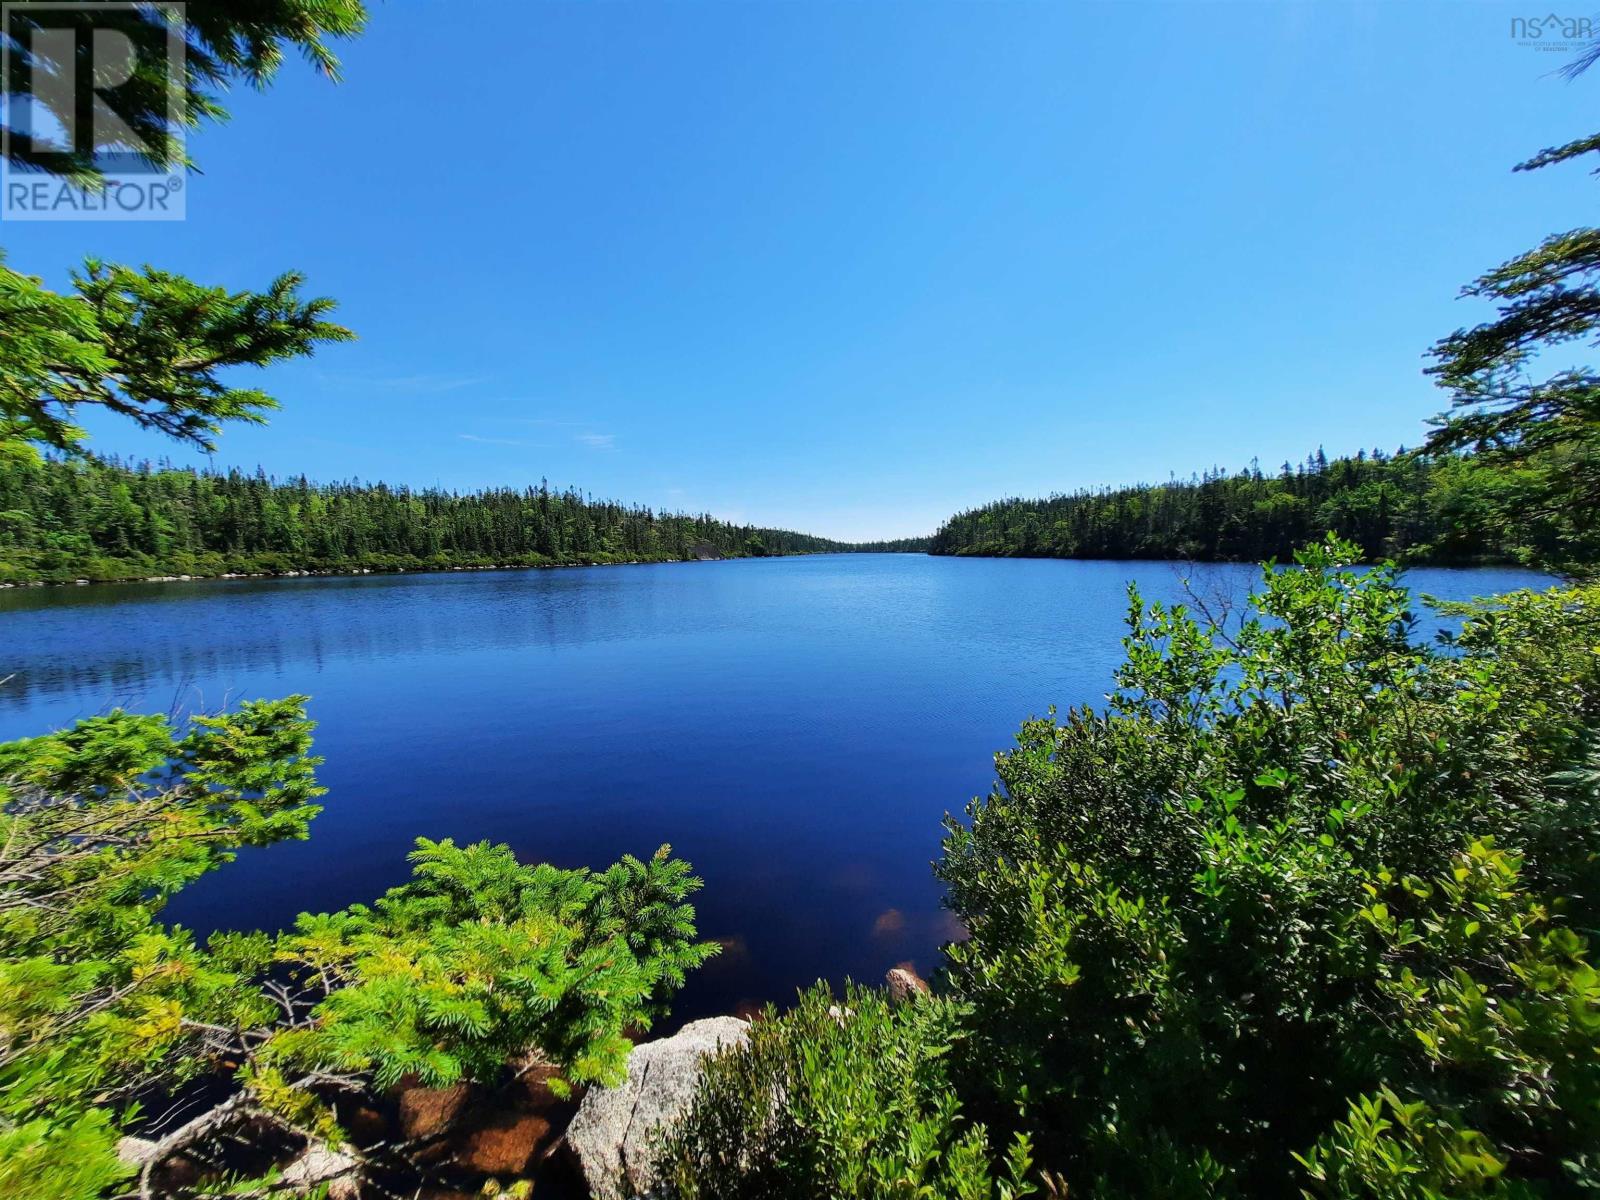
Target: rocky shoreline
{"points": [[520, 1140]]}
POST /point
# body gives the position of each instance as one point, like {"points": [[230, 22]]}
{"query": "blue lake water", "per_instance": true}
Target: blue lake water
{"points": [[796, 727]]}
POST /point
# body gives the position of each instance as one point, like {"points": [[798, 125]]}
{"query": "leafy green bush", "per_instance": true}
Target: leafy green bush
{"points": [[476, 960], [1303, 876], [838, 1098], [1507, 1009]]}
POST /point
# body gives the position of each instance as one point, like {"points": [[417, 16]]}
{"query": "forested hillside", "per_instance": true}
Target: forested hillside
{"points": [[1447, 508], [912, 545], [104, 520]]}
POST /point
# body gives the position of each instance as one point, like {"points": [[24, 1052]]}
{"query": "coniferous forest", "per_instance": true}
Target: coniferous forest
{"points": [[1417, 508], [98, 520], [85, 518]]}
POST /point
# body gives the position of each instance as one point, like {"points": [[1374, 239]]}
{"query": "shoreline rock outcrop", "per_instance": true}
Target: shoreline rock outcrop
{"points": [[610, 1135]]}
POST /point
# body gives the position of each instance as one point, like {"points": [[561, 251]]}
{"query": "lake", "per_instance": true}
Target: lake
{"points": [[795, 727]]}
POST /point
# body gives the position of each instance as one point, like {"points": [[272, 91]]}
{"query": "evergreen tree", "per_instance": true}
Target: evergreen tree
{"points": [[1542, 429]]}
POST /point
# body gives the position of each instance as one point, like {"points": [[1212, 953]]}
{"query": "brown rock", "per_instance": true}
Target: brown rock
{"points": [[889, 923], [533, 1080], [430, 1112], [508, 1144], [904, 982]]}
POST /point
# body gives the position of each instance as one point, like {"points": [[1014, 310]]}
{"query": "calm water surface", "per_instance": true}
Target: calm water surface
{"points": [[796, 728]]}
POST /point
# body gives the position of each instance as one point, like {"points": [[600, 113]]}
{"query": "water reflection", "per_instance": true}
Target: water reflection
{"points": [[796, 728]]}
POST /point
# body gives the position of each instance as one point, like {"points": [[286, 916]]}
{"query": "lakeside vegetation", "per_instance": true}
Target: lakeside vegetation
{"points": [[1447, 508], [1307, 908], [80, 518], [472, 963]]}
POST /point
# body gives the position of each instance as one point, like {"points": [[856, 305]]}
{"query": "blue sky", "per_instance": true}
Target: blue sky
{"points": [[849, 267]]}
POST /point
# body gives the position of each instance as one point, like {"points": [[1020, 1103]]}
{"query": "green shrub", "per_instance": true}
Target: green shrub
{"points": [[1506, 1006], [1199, 931], [476, 960], [841, 1098]]}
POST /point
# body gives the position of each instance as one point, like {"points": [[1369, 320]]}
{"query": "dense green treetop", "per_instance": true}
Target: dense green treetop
{"points": [[848, 1096]]}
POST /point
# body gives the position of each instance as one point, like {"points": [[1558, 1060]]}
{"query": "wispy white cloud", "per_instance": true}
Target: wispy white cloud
{"points": [[598, 441], [493, 441]]}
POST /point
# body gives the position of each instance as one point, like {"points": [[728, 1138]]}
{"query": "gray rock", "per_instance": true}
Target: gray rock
{"points": [[319, 1164], [135, 1151], [613, 1128]]}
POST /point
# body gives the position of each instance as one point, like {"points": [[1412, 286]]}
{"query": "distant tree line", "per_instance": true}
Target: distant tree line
{"points": [[1440, 508], [102, 520], [911, 545]]}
